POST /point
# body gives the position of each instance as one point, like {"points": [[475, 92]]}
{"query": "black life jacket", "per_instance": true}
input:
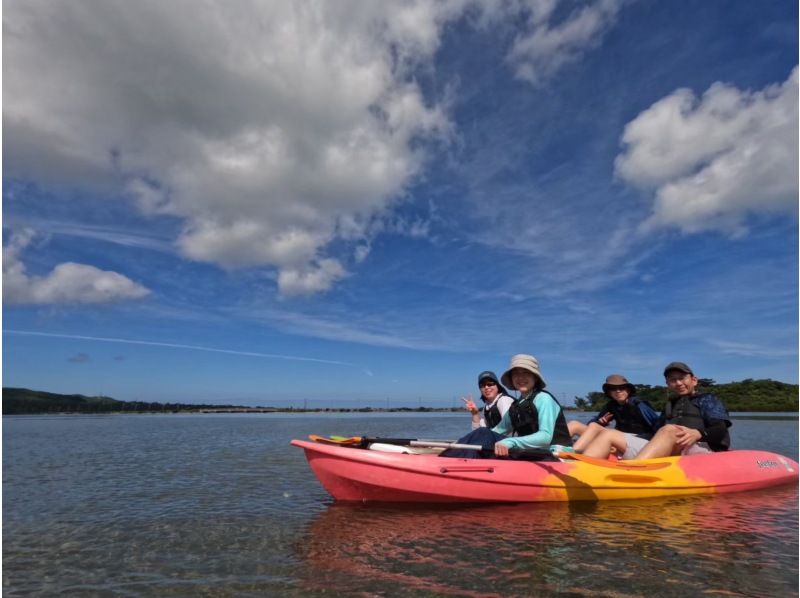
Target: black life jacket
{"points": [[683, 412], [492, 414], [629, 418], [525, 419]]}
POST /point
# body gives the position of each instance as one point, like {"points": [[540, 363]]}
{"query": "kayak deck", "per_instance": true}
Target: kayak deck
{"points": [[356, 474]]}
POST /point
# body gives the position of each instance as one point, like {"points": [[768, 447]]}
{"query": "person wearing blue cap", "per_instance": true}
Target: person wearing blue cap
{"points": [[496, 402]]}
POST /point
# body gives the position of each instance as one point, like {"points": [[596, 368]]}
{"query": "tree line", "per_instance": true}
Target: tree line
{"points": [[22, 401], [747, 395]]}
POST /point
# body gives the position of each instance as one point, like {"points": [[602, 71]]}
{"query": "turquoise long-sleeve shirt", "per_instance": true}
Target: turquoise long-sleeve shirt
{"points": [[548, 412]]}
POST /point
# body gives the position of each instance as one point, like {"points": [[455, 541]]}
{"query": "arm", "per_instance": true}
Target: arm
{"points": [[477, 420], [715, 432], [604, 417], [548, 412], [716, 420]]}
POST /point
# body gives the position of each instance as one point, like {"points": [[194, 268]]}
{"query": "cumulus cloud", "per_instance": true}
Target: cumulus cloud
{"points": [[713, 160], [66, 283], [272, 130], [263, 125], [550, 43]]}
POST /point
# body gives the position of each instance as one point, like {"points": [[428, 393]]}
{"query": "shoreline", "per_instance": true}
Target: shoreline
{"points": [[756, 415]]}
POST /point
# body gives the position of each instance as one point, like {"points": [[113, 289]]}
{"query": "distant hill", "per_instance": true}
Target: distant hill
{"points": [[747, 395], [19, 401], [23, 401]]}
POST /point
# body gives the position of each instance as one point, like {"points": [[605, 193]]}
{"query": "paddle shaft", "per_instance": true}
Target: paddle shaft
{"points": [[365, 441], [625, 465]]}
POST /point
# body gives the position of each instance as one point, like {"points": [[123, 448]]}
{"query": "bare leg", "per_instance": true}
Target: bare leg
{"points": [[587, 436], [576, 428], [602, 444], [661, 445]]}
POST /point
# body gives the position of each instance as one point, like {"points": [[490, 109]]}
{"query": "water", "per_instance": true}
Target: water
{"points": [[220, 505]]}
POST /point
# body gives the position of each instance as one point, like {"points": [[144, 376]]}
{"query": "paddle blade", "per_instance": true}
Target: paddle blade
{"points": [[351, 441]]}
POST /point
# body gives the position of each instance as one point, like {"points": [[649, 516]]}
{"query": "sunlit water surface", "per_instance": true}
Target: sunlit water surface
{"points": [[221, 505]]}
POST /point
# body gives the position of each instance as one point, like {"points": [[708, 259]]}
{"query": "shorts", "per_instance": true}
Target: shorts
{"points": [[634, 444], [698, 448]]}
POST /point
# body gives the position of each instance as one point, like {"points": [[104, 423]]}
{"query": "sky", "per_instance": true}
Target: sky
{"points": [[359, 203]]}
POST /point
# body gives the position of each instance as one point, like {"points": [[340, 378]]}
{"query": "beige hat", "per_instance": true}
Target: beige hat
{"points": [[617, 380], [526, 362]]}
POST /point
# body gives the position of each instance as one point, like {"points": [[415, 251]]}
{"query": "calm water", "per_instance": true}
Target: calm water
{"points": [[220, 505]]}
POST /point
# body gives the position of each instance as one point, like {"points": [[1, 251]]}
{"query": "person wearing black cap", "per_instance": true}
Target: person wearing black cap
{"points": [[495, 402], [690, 423], [635, 420]]}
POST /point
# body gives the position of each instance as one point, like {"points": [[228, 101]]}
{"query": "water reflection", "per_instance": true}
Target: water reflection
{"points": [[740, 544]]}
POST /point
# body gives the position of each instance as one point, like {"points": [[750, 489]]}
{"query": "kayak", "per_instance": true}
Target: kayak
{"points": [[352, 473]]}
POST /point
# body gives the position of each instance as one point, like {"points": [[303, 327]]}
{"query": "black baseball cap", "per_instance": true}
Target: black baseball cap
{"points": [[680, 366]]}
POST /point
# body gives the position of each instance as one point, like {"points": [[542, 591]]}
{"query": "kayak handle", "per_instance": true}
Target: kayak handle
{"points": [[461, 468]]}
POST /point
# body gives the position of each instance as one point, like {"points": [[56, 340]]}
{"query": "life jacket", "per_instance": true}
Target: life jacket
{"points": [[525, 419], [683, 412], [492, 414], [629, 417]]}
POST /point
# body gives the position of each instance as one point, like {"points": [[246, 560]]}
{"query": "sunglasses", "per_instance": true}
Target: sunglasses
{"points": [[616, 388], [486, 383]]}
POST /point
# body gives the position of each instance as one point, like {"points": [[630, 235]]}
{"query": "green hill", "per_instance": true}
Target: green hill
{"points": [[747, 395]]}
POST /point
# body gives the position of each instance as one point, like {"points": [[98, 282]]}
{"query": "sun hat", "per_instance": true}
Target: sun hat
{"points": [[526, 362], [680, 366], [488, 375], [617, 380]]}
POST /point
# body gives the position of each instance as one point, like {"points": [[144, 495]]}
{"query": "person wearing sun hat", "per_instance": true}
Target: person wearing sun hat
{"points": [[690, 423], [496, 401], [635, 421], [535, 419]]}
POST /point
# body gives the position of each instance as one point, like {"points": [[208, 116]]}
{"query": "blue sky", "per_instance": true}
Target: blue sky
{"points": [[360, 203]]}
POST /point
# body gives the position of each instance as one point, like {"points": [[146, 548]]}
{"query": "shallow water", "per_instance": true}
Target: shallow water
{"points": [[220, 505]]}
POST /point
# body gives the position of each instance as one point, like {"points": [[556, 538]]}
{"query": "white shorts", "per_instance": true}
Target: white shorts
{"points": [[634, 444], [698, 448]]}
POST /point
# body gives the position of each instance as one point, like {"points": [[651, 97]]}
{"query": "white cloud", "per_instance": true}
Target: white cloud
{"points": [[751, 349], [715, 159], [550, 45], [66, 283], [310, 279], [272, 130], [263, 125]]}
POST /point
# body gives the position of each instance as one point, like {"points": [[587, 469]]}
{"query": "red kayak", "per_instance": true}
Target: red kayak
{"points": [[358, 474]]}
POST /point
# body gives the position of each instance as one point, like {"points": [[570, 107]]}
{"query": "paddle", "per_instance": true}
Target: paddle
{"points": [[364, 441]]}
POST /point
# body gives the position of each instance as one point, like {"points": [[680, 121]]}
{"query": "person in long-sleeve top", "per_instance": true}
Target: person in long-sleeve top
{"points": [[496, 401], [635, 423], [535, 419]]}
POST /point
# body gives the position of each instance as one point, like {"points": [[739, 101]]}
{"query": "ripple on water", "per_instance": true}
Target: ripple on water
{"points": [[616, 548]]}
